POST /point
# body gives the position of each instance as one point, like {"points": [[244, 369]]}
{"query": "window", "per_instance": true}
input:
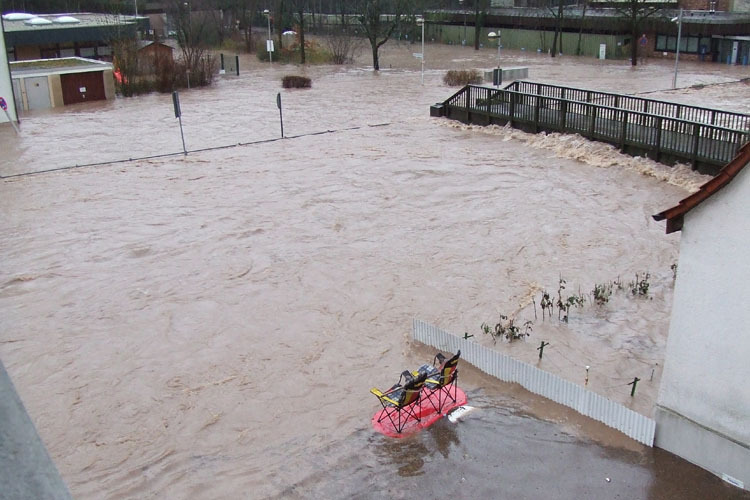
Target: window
{"points": [[688, 43]]}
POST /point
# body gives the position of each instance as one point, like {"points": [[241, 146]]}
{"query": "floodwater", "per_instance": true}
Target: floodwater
{"points": [[209, 325]]}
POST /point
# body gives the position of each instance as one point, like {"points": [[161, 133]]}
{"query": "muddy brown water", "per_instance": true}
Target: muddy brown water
{"points": [[209, 325]]}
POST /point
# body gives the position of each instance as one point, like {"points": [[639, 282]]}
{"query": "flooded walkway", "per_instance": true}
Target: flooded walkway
{"points": [[206, 325]]}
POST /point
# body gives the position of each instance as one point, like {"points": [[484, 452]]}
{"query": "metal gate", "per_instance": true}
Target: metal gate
{"points": [[82, 87]]}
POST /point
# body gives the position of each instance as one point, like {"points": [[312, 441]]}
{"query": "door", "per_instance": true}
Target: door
{"points": [[37, 92], [82, 87]]}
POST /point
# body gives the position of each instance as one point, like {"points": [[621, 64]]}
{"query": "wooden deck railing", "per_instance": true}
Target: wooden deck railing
{"points": [[669, 139], [726, 119]]}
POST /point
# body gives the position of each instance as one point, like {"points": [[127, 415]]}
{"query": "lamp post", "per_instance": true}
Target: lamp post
{"points": [[496, 36], [461, 3], [420, 22], [678, 20], [269, 42]]}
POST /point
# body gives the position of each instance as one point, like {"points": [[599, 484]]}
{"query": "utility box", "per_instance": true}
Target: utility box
{"points": [[506, 74]]}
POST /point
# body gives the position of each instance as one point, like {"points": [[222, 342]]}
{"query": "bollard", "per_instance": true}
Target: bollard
{"points": [[634, 383], [541, 348]]}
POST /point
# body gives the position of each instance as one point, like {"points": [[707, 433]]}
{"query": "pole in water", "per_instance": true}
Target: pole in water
{"points": [[634, 383], [281, 117], [178, 115], [587, 375], [541, 348], [237, 64]]}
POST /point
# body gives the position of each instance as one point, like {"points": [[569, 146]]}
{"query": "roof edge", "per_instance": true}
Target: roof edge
{"points": [[676, 214]]}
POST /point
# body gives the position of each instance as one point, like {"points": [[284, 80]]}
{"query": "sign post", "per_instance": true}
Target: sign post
{"points": [[178, 114], [4, 105], [281, 117]]}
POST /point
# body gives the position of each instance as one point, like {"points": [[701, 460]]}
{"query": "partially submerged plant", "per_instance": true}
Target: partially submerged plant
{"points": [[602, 293], [296, 82], [507, 329], [546, 304], [456, 78], [640, 285]]}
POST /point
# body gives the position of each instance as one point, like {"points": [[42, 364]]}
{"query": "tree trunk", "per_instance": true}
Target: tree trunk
{"points": [[580, 31], [301, 35], [375, 61], [634, 46], [477, 25]]}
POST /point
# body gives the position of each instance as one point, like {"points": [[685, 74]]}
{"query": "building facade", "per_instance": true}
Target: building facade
{"points": [[703, 408]]}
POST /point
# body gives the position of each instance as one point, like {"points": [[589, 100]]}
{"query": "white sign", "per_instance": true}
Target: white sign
{"points": [[82, 89], [602, 51], [418, 55], [269, 45]]}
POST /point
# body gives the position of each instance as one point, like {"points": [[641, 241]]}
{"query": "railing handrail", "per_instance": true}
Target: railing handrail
{"points": [[602, 106], [519, 83]]}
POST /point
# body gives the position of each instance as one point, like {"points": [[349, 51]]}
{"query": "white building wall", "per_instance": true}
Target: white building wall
{"points": [[6, 88], [706, 378]]}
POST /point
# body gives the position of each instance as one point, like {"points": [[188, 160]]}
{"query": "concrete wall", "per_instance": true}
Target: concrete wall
{"points": [[6, 86], [704, 398]]}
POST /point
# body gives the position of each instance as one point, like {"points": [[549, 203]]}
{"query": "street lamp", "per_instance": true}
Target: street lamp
{"points": [[461, 3], [677, 20], [496, 36], [269, 42], [420, 22]]}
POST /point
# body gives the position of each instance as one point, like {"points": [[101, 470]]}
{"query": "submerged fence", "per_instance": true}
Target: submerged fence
{"points": [[564, 392]]}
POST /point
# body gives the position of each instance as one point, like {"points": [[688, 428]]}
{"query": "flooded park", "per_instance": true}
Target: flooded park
{"points": [[209, 325]]}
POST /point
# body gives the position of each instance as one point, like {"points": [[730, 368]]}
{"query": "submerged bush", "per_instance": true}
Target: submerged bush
{"points": [[455, 78], [296, 82]]}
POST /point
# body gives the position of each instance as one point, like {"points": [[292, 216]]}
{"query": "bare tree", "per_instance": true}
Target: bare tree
{"points": [[378, 23], [636, 13], [343, 44], [580, 29], [480, 13], [194, 35], [557, 12], [298, 14]]}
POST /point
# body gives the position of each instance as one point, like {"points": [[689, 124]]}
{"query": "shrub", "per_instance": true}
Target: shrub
{"points": [[296, 82], [456, 78]]}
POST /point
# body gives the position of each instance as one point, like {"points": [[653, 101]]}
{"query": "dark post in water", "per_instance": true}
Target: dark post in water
{"points": [[178, 114], [281, 117]]}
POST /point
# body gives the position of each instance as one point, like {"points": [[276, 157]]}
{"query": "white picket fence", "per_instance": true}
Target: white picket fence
{"points": [[503, 367]]}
